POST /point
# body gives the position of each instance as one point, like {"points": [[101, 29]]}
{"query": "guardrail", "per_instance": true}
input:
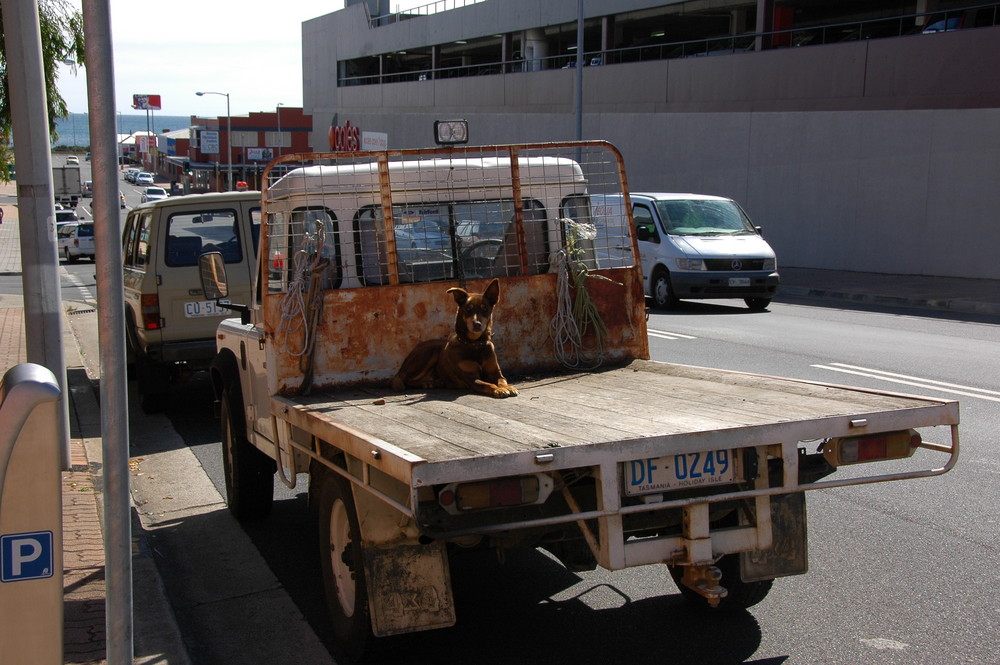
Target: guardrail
{"points": [[896, 26]]}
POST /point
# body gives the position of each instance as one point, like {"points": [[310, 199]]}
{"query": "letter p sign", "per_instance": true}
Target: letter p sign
{"points": [[26, 556]]}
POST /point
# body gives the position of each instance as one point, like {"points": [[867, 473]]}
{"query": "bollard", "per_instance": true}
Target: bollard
{"points": [[31, 561]]}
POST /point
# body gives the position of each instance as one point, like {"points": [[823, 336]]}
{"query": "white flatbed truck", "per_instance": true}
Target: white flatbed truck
{"points": [[628, 463]]}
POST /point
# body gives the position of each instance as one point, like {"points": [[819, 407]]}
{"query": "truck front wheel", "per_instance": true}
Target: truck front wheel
{"points": [[740, 596], [249, 473], [342, 559]]}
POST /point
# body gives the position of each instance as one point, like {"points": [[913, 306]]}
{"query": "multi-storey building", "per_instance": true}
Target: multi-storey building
{"points": [[862, 135]]}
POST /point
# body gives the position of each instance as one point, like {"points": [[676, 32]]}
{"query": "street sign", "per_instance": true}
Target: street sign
{"points": [[26, 556]]}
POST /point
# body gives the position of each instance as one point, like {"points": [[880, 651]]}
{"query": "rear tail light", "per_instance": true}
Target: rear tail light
{"points": [[497, 493], [151, 312], [871, 447]]}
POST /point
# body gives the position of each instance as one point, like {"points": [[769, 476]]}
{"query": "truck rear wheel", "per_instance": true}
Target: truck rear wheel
{"points": [[249, 473], [741, 594], [342, 560]]}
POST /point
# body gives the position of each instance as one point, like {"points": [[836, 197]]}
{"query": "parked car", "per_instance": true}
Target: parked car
{"points": [[130, 174], [153, 194], [88, 188], [143, 178], [73, 159], [170, 326], [76, 241]]}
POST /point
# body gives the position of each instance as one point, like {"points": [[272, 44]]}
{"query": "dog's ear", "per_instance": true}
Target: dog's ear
{"points": [[460, 295], [492, 293]]}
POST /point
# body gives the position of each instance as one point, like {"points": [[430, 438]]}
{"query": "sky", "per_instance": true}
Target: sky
{"points": [[251, 49]]}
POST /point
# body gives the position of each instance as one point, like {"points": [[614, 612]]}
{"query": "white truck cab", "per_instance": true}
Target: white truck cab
{"points": [[694, 246]]}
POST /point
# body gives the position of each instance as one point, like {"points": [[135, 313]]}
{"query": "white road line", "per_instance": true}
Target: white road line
{"points": [[930, 384], [85, 292], [663, 334]]}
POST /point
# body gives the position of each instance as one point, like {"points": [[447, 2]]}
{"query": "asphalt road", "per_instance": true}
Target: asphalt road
{"points": [[899, 572]]}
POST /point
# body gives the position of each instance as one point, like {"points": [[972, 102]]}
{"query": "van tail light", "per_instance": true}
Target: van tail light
{"points": [[151, 312], [871, 447], [497, 493]]}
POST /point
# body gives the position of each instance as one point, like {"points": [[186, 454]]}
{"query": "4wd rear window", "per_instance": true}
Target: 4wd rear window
{"points": [[85, 231], [191, 234]]}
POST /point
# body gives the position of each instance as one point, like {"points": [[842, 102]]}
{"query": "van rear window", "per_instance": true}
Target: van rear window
{"points": [[191, 234]]}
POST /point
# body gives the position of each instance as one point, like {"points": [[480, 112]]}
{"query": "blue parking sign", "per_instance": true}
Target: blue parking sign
{"points": [[26, 556]]}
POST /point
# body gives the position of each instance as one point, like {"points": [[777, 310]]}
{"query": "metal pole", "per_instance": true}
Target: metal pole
{"points": [[229, 143], [579, 70], [277, 112], [111, 330], [36, 208]]}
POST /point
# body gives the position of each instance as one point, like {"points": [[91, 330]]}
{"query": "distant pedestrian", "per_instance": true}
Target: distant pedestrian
{"points": [[1, 215]]}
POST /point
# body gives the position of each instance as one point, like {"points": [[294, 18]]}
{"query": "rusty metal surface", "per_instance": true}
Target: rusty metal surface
{"points": [[518, 212], [366, 333]]}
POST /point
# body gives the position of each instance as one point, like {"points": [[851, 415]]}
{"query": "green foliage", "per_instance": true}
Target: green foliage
{"points": [[61, 27]]}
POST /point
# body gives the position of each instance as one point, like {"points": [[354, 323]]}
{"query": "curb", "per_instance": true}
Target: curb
{"points": [[155, 632], [938, 304]]}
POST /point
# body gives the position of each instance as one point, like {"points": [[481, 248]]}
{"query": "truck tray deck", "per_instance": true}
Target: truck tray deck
{"points": [[642, 403]]}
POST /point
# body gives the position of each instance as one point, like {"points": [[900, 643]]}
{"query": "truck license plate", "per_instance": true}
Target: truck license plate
{"points": [[674, 472], [203, 308], [739, 281]]}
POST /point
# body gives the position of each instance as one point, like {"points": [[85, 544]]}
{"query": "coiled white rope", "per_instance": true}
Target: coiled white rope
{"points": [[575, 316], [295, 307]]}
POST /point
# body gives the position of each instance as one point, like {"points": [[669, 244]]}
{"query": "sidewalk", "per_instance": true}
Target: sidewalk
{"points": [[155, 637], [84, 635]]}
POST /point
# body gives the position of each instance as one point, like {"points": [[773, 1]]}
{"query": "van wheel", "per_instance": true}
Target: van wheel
{"points": [[249, 473], [741, 594], [342, 560], [663, 293], [154, 385], [72, 258], [757, 304]]}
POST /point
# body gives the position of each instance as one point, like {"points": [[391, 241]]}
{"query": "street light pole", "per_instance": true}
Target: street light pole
{"points": [[229, 138], [277, 112]]}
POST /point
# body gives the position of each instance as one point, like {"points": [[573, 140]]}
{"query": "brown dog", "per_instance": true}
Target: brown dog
{"points": [[467, 360]]}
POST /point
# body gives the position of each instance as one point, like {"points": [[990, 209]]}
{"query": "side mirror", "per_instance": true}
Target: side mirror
{"points": [[643, 233], [759, 230], [214, 284], [212, 271]]}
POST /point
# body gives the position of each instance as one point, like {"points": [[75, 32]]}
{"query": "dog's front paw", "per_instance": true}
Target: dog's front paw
{"points": [[505, 391]]}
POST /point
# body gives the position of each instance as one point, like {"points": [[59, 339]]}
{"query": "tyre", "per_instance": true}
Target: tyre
{"points": [[342, 560], [757, 304], [65, 254], [72, 258], [249, 473], [662, 291], [741, 594]]}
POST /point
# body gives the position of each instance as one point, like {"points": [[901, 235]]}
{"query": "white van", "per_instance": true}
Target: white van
{"points": [[692, 246]]}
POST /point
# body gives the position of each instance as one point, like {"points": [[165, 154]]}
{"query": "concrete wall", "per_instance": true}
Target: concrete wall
{"points": [[873, 156]]}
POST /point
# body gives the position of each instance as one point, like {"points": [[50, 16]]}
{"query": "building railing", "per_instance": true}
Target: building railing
{"points": [[897, 26], [423, 10]]}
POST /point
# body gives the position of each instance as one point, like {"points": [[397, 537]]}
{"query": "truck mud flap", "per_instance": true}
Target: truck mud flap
{"points": [[409, 588], [789, 554]]}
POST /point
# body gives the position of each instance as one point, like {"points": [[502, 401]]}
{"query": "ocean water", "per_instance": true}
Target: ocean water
{"points": [[75, 130]]}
